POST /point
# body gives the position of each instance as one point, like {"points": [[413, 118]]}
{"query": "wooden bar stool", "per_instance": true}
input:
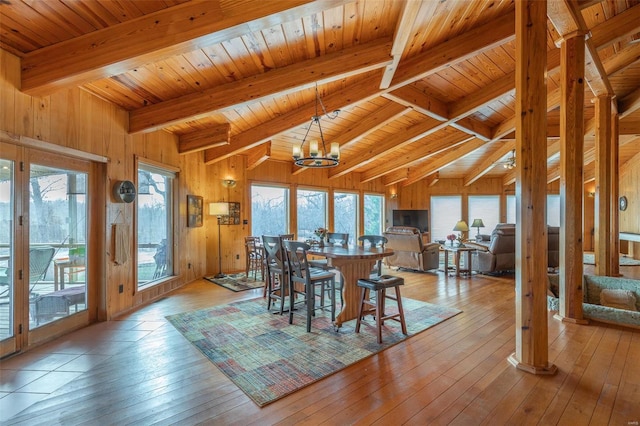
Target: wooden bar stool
{"points": [[376, 307]]}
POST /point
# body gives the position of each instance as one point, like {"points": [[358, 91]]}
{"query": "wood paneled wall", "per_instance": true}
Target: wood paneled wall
{"points": [[630, 187], [75, 119]]}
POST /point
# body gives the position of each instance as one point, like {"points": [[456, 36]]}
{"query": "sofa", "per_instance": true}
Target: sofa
{"points": [[626, 292], [409, 251]]}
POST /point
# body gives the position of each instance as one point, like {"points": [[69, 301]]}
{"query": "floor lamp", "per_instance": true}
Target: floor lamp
{"points": [[219, 210]]}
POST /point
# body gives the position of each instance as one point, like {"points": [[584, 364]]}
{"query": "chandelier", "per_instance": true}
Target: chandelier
{"points": [[318, 156]]}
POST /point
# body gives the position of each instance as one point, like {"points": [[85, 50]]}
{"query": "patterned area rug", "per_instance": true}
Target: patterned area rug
{"points": [[268, 358], [238, 282], [590, 259]]}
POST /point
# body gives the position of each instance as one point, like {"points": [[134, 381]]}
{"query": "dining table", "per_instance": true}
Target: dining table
{"points": [[353, 263]]}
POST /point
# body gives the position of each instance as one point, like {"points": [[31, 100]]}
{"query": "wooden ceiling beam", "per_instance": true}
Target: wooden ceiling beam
{"points": [[629, 104], [489, 162], [420, 101], [258, 155], [203, 139], [616, 28], [628, 127], [415, 156], [395, 177], [452, 155], [280, 81], [365, 90], [454, 50], [568, 21], [153, 37], [397, 140], [404, 28], [622, 59]]}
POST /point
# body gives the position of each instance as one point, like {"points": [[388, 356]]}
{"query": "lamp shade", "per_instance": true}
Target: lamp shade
{"points": [[219, 209], [477, 223], [461, 226]]}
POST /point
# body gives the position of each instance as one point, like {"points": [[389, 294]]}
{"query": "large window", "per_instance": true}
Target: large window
{"points": [[155, 224], [345, 215], [312, 212], [373, 214], [446, 211], [553, 209], [269, 210], [487, 208]]}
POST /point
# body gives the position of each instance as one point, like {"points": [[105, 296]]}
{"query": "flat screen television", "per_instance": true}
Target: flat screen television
{"points": [[416, 218]]}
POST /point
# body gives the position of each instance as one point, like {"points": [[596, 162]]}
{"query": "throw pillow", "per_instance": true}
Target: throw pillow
{"points": [[619, 299]]}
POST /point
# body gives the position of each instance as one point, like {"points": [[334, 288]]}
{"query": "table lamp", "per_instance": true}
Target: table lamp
{"points": [[461, 227], [219, 210], [477, 223]]}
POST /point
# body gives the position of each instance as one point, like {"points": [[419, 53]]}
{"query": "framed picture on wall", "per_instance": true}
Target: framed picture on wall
{"points": [[234, 215], [194, 211]]}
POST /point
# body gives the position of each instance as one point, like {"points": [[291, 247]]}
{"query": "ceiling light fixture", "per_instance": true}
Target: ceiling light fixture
{"points": [[318, 158], [510, 163]]}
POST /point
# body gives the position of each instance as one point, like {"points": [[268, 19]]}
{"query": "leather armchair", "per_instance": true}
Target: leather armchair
{"points": [[409, 250], [501, 253]]}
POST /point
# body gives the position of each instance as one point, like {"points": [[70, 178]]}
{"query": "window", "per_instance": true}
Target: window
{"points": [[154, 224], [345, 215], [312, 212], [553, 210], [373, 214], [446, 211], [511, 209], [269, 210], [487, 208]]}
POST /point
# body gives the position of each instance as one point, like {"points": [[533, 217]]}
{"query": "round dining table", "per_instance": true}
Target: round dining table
{"points": [[353, 263]]}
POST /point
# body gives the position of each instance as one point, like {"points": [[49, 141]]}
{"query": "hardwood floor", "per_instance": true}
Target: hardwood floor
{"points": [[140, 370]]}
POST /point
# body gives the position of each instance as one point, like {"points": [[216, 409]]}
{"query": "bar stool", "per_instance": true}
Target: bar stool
{"points": [[376, 307]]}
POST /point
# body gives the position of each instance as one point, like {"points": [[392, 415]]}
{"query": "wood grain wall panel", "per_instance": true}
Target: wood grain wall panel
{"points": [[629, 186], [75, 119]]}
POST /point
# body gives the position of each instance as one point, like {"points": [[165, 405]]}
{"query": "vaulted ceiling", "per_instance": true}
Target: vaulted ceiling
{"points": [[424, 88]]}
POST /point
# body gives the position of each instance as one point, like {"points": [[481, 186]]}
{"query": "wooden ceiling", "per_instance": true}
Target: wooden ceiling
{"points": [[424, 88]]}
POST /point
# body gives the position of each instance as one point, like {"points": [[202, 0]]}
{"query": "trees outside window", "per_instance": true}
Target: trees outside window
{"points": [[155, 224], [345, 214], [312, 212], [269, 210], [373, 214]]}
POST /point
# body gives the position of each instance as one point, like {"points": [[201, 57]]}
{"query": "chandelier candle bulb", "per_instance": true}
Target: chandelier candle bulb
{"points": [[335, 150], [296, 152], [313, 148]]}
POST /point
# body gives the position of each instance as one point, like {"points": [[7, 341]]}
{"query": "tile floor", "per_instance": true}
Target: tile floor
{"points": [[28, 378]]}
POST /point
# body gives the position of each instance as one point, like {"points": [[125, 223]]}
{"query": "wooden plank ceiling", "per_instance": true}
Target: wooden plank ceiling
{"points": [[423, 87]]}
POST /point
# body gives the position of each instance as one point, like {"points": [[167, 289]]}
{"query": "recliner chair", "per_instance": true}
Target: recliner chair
{"points": [[501, 254], [409, 251]]}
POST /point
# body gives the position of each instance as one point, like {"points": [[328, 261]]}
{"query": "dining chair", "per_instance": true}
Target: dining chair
{"points": [[39, 260], [311, 278], [276, 270], [374, 241], [254, 259], [334, 239]]}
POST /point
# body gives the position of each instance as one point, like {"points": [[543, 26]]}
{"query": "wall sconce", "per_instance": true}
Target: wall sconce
{"points": [[229, 183], [394, 196], [592, 194]]}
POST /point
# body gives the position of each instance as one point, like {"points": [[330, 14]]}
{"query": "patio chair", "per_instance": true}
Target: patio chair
{"points": [[39, 260]]}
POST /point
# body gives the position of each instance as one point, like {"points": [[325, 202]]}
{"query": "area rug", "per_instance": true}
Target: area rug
{"points": [[268, 358], [238, 282], [590, 259]]}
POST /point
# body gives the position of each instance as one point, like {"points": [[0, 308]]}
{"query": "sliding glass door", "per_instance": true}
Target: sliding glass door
{"points": [[43, 245]]}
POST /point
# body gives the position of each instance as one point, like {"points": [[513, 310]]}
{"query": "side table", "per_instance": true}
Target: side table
{"points": [[457, 251]]}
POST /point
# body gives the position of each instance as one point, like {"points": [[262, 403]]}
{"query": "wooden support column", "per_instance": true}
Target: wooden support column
{"points": [[571, 177], [604, 191], [532, 346], [614, 235]]}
